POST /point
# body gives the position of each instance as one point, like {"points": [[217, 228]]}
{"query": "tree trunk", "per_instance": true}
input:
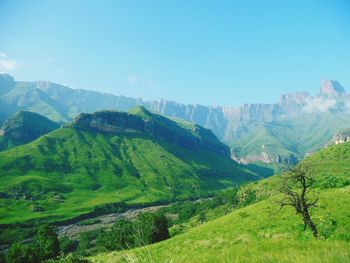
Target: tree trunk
{"points": [[309, 222]]}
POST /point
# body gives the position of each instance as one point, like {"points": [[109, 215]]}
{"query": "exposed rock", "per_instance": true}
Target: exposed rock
{"points": [[153, 124], [341, 137], [331, 88], [229, 124], [266, 158]]}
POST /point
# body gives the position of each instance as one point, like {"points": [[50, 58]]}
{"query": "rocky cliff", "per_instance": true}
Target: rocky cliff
{"points": [[298, 113], [140, 120], [341, 137], [331, 88]]}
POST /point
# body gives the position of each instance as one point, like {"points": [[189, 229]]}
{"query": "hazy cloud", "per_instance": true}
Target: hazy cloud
{"points": [[133, 79], [347, 105], [319, 105], [6, 63]]}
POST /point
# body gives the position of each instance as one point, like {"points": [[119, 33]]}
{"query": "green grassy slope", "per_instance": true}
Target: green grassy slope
{"points": [[70, 170], [24, 127], [257, 234]]}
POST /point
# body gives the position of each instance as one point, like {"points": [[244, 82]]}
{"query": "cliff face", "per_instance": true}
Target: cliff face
{"points": [[331, 88], [230, 124], [141, 120], [341, 137]]}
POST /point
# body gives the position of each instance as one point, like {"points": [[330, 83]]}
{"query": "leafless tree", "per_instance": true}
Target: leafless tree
{"points": [[297, 189]]}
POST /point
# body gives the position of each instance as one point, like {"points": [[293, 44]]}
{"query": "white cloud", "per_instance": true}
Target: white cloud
{"points": [[319, 105], [6, 63]]}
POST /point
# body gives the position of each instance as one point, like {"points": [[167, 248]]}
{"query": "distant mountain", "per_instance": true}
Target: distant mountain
{"points": [[24, 127], [341, 137], [271, 133], [332, 88], [108, 157]]}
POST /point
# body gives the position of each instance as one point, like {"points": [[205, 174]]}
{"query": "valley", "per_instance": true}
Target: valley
{"points": [[174, 131], [94, 172], [113, 157]]}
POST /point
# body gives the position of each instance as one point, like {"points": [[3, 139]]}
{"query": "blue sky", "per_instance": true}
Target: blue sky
{"points": [[207, 52]]}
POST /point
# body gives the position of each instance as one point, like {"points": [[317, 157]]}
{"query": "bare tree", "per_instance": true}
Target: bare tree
{"points": [[297, 186]]}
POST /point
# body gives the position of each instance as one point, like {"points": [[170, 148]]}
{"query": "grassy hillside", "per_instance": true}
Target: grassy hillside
{"points": [[71, 170], [292, 137], [24, 127], [257, 233]]}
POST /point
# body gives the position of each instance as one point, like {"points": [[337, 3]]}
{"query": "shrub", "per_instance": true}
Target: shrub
{"points": [[150, 228], [19, 253], [67, 245], [120, 236], [47, 242]]}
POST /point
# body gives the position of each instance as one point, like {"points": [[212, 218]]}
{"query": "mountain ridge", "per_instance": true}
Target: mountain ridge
{"points": [[24, 127], [229, 124], [77, 167]]}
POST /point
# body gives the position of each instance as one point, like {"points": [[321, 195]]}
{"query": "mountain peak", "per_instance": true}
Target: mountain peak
{"points": [[331, 88], [139, 110], [294, 98]]}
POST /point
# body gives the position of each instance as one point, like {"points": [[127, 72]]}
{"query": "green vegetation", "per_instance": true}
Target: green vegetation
{"points": [[45, 246], [24, 127], [71, 171], [255, 232], [147, 228]]}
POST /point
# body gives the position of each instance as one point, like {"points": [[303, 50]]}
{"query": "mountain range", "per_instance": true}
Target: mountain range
{"points": [[283, 132], [134, 157]]}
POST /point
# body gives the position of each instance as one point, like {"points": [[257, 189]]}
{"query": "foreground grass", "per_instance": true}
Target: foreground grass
{"points": [[265, 251], [257, 234]]}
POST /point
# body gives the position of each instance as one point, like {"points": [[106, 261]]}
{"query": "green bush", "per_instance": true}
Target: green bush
{"points": [[67, 245], [47, 243], [120, 237], [19, 253], [150, 228]]}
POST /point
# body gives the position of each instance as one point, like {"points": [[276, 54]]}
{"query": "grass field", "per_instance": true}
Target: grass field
{"points": [[256, 233]]}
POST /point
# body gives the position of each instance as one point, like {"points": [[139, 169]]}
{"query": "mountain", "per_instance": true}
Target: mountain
{"points": [[341, 137], [331, 88], [257, 233], [109, 157], [24, 127], [283, 132]]}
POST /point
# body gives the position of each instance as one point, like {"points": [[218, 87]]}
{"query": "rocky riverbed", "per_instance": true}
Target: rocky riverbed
{"points": [[73, 230]]}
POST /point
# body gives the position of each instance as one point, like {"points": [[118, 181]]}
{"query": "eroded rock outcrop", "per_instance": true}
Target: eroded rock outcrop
{"points": [[142, 121], [341, 137]]}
